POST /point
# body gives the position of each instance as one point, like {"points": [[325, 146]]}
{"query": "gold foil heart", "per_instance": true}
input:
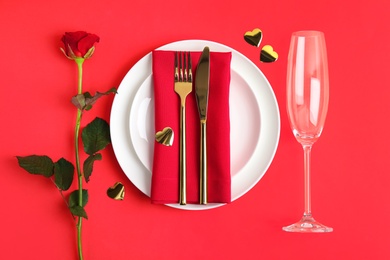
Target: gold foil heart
{"points": [[268, 54], [165, 137], [253, 37], [116, 192]]}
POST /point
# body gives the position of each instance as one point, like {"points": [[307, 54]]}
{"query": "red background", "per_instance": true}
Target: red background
{"points": [[351, 178]]}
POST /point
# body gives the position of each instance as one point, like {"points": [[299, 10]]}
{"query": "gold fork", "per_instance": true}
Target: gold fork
{"points": [[183, 86]]}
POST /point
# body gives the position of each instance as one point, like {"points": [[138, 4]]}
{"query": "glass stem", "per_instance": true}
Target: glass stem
{"points": [[307, 161]]}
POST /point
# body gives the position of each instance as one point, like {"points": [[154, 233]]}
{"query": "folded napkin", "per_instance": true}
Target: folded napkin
{"points": [[165, 174]]}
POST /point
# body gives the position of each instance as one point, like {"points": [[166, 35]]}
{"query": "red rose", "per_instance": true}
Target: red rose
{"points": [[79, 44]]}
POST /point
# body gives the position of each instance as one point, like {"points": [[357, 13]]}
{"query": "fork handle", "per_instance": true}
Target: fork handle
{"points": [[203, 163], [182, 151]]}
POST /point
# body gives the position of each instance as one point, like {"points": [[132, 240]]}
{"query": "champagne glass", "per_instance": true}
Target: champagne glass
{"points": [[307, 105]]}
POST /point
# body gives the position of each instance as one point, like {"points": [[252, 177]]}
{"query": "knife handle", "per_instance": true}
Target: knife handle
{"points": [[203, 163], [183, 174]]}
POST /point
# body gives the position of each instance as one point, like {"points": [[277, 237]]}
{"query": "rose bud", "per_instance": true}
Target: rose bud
{"points": [[79, 44]]}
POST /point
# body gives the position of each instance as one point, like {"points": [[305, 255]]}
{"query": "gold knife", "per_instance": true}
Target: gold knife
{"points": [[202, 93]]}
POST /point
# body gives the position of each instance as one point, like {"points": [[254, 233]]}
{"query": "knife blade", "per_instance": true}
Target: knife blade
{"points": [[202, 94]]}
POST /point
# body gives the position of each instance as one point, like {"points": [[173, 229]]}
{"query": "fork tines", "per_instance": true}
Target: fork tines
{"points": [[183, 67]]}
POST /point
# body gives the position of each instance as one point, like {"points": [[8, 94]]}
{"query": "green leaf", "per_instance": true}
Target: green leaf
{"points": [[37, 164], [96, 136], [78, 211], [111, 90], [86, 100], [88, 165], [92, 100], [74, 198], [79, 101], [63, 173]]}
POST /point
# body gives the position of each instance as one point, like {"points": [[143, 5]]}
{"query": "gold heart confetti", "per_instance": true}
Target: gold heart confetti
{"points": [[253, 37], [268, 54], [165, 137], [116, 192]]}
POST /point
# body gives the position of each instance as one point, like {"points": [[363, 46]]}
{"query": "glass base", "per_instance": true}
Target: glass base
{"points": [[308, 225]]}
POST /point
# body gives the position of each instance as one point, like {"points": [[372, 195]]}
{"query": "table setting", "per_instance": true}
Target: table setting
{"points": [[245, 78], [207, 130]]}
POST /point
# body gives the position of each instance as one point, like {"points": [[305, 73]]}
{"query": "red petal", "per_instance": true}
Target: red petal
{"points": [[71, 39], [76, 36], [87, 43]]}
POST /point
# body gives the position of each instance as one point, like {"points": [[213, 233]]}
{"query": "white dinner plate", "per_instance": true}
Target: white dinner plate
{"points": [[254, 120]]}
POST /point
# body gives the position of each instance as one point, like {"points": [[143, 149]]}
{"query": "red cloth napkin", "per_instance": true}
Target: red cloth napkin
{"points": [[165, 175]]}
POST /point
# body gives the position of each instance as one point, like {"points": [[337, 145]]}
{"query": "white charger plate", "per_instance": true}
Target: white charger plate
{"points": [[254, 120]]}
